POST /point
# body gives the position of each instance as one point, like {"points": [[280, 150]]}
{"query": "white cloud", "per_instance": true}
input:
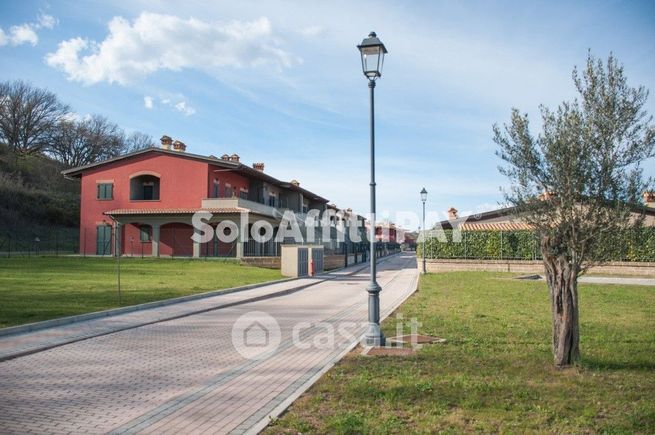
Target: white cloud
{"points": [[21, 34], [153, 42], [46, 21], [178, 103], [183, 107], [26, 33]]}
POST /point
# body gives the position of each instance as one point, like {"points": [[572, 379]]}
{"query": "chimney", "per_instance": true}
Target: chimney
{"points": [[259, 166], [295, 183], [452, 213], [234, 158], [225, 157], [179, 146], [166, 142], [649, 199]]}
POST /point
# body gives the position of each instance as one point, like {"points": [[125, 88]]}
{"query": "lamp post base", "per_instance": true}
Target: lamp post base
{"points": [[374, 336]]}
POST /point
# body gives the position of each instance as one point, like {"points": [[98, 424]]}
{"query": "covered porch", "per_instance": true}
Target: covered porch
{"points": [[168, 233]]}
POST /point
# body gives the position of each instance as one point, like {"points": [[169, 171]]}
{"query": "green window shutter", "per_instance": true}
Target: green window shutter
{"points": [[105, 191], [103, 240]]}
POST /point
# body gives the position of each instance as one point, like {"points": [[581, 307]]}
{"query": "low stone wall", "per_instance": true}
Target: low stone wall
{"points": [[523, 266], [626, 268], [267, 262]]}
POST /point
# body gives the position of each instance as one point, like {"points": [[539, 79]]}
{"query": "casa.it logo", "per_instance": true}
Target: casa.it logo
{"points": [[255, 335]]}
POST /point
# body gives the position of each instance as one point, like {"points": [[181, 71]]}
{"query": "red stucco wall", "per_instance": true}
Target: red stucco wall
{"points": [[224, 177], [183, 183]]}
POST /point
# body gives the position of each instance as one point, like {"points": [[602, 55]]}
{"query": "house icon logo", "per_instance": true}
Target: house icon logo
{"points": [[256, 334]]}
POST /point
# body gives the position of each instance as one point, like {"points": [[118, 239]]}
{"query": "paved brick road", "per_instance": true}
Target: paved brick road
{"points": [[184, 375]]}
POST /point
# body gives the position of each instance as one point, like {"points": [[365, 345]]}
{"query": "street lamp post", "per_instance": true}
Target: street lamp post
{"points": [[424, 197], [372, 51]]}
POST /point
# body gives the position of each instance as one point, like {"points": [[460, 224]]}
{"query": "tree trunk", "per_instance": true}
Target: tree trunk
{"points": [[562, 278]]}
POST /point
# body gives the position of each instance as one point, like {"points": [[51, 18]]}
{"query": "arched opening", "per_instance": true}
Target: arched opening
{"points": [[144, 188]]}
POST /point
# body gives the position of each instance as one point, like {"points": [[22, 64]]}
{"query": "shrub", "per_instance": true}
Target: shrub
{"points": [[635, 245]]}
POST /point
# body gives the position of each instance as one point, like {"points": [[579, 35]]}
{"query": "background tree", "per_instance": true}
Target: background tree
{"points": [[578, 182], [77, 143], [28, 116], [138, 141]]}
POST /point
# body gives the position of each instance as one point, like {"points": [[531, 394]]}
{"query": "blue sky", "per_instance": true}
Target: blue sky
{"points": [[281, 82]]}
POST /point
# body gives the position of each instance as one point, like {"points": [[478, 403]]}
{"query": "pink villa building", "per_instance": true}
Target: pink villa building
{"points": [[142, 203]]}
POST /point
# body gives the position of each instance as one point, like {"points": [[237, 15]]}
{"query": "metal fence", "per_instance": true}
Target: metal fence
{"points": [[173, 243], [252, 248], [52, 242], [381, 248]]}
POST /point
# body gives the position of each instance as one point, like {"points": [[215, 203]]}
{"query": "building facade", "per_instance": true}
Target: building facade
{"points": [[142, 203]]}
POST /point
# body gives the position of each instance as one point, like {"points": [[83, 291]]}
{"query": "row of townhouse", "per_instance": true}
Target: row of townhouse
{"points": [[143, 203]]}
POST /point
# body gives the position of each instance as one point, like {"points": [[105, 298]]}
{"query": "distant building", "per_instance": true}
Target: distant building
{"points": [[506, 219], [386, 232], [410, 240]]}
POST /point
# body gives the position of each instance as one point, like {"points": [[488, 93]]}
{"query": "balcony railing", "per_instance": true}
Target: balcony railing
{"points": [[258, 207], [241, 203]]}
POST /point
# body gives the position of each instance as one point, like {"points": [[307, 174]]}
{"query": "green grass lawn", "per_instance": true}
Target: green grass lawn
{"points": [[41, 288], [495, 374]]}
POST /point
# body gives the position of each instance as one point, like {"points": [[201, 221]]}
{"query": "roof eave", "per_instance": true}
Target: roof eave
{"points": [[77, 172]]}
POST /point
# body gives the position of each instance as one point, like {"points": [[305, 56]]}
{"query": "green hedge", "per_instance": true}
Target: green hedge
{"points": [[636, 245]]}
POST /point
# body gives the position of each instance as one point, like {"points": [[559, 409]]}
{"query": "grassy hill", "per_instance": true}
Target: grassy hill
{"points": [[35, 199]]}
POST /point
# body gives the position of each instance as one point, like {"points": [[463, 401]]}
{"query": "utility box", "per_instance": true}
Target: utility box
{"points": [[301, 260], [294, 260]]}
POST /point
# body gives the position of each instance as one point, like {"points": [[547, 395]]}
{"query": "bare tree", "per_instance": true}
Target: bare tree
{"points": [[138, 141], [28, 116], [106, 137], [77, 143], [578, 182]]}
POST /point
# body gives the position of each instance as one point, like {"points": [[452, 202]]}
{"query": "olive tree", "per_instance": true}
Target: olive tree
{"points": [[579, 181]]}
